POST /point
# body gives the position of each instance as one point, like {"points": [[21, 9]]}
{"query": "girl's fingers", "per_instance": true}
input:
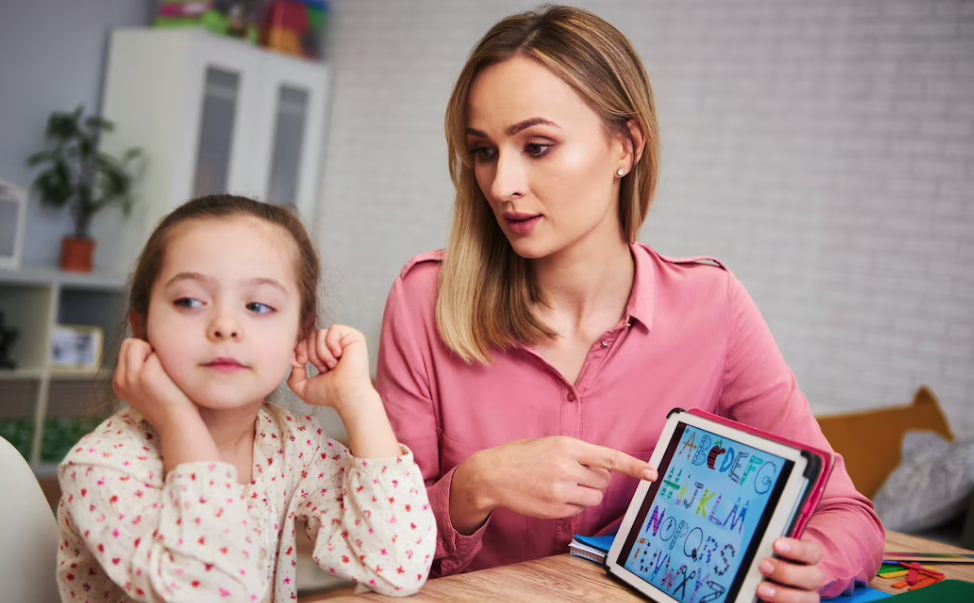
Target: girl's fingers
{"points": [[298, 379], [334, 339], [324, 349], [314, 349], [300, 354]]}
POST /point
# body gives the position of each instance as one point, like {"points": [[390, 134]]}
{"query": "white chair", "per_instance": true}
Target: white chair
{"points": [[28, 534]]}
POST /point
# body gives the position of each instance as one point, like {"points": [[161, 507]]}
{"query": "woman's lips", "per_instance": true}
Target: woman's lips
{"points": [[521, 225]]}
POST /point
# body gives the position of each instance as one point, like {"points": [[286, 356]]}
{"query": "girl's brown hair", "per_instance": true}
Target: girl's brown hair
{"points": [[487, 292], [211, 207], [215, 207]]}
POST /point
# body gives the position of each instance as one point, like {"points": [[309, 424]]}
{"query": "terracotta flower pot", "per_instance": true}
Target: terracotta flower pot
{"points": [[77, 254]]}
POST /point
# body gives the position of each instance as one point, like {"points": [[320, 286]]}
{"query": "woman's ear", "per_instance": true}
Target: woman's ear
{"points": [[137, 325], [636, 143]]}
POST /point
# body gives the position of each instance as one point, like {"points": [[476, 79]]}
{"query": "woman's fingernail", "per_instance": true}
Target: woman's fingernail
{"points": [[649, 474], [765, 591], [767, 567], [783, 546]]}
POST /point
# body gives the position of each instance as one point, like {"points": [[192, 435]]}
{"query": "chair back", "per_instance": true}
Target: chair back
{"points": [[28, 533]]}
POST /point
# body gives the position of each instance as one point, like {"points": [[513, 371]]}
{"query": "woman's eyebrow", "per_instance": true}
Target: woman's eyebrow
{"points": [[518, 127]]}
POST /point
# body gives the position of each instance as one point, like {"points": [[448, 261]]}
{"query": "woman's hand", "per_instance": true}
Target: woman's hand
{"points": [[143, 383], [342, 359], [795, 577], [546, 478]]}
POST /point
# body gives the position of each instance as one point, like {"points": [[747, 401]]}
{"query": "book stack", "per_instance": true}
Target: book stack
{"points": [[593, 548]]}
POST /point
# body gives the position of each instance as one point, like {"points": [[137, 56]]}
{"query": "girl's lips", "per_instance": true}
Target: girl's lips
{"points": [[225, 365], [521, 225]]}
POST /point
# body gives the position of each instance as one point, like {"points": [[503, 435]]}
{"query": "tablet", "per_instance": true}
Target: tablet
{"points": [[725, 492]]}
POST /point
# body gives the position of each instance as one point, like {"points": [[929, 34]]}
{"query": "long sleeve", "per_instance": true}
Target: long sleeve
{"points": [[188, 538], [403, 384], [760, 389], [370, 519]]}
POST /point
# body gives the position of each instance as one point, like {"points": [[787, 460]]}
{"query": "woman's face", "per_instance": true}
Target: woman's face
{"points": [[543, 159]]}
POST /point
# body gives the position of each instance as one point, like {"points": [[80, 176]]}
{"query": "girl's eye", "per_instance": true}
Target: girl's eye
{"points": [[259, 308], [188, 303], [537, 149], [483, 154]]}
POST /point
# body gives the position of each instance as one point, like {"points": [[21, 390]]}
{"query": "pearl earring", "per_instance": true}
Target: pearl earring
{"points": [[621, 172]]}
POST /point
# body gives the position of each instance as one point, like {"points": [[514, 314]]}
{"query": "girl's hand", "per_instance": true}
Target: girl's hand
{"points": [[342, 359], [795, 577], [143, 383]]}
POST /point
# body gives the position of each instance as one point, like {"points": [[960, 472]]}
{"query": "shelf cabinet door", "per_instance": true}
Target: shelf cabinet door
{"points": [[226, 94], [290, 134]]}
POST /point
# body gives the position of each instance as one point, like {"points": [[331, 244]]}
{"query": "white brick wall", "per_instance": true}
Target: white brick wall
{"points": [[824, 151]]}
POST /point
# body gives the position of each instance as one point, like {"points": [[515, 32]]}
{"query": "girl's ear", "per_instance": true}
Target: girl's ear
{"points": [[137, 324]]}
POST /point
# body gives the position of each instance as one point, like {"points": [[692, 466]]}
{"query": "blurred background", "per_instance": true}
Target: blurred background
{"points": [[824, 151]]}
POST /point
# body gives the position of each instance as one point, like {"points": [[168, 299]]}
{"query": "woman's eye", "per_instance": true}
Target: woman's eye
{"points": [[483, 154], [188, 303], [536, 149], [259, 308]]}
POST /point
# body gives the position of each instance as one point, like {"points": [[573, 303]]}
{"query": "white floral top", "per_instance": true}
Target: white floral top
{"points": [[132, 532]]}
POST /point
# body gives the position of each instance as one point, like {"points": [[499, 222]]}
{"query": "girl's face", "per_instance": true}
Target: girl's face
{"points": [[224, 312], [543, 159]]}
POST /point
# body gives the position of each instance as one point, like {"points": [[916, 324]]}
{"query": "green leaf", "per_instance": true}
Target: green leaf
{"points": [[39, 158], [98, 123]]}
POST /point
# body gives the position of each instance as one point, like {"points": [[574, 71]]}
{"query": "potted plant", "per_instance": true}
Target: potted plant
{"points": [[79, 176]]}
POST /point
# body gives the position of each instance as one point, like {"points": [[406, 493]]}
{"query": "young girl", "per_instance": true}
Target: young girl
{"points": [[191, 494]]}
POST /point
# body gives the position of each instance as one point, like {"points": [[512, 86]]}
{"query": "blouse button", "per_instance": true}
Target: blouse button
{"points": [[572, 397], [605, 344]]}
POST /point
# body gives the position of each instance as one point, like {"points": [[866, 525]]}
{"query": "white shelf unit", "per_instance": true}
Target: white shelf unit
{"points": [[34, 300], [212, 114]]}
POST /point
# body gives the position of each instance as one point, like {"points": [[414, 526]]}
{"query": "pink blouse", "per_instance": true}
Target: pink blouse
{"points": [[691, 338]]}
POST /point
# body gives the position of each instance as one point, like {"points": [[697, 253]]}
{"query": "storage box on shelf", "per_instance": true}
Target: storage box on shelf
{"points": [[44, 409], [212, 114]]}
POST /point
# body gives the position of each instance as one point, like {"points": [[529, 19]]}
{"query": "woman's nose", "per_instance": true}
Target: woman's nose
{"points": [[509, 177]]}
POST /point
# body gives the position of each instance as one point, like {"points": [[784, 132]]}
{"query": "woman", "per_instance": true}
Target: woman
{"points": [[531, 365]]}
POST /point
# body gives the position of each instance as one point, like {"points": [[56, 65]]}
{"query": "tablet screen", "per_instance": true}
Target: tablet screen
{"points": [[701, 523]]}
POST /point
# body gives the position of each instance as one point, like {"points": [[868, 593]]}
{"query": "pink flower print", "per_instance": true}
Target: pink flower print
{"points": [[225, 593]]}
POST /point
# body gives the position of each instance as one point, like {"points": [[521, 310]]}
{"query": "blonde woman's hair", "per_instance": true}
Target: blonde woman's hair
{"points": [[487, 292]]}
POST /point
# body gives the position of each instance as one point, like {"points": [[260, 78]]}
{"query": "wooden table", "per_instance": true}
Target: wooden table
{"points": [[563, 579]]}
